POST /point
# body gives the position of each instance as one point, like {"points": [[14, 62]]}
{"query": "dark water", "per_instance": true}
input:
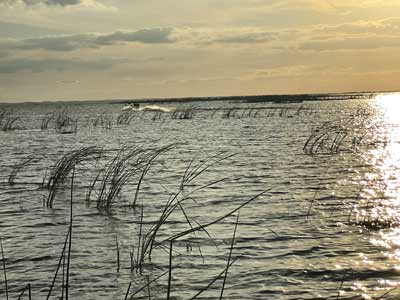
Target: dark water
{"points": [[325, 228]]}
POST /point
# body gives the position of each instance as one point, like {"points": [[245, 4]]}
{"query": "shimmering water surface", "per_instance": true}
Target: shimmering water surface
{"points": [[327, 226]]}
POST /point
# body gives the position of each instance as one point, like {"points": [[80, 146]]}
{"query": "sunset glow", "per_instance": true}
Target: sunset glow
{"points": [[108, 49]]}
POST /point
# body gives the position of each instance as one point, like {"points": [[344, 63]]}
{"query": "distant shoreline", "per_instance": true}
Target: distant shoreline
{"points": [[289, 98], [271, 98]]}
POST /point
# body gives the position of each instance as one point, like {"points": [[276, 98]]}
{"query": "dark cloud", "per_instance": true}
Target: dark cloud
{"points": [[147, 36], [59, 43], [62, 2], [47, 2], [247, 38], [38, 66], [23, 31], [80, 41]]}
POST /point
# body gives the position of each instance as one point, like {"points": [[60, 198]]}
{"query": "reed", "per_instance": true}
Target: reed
{"points": [[183, 114], [229, 257], [140, 160], [17, 168], [120, 170], [143, 287], [103, 121], [64, 166], [46, 121], [7, 120], [63, 123], [171, 244], [176, 200], [343, 135], [26, 288], [4, 267], [118, 255], [117, 172], [125, 118], [213, 281], [228, 113], [150, 159]]}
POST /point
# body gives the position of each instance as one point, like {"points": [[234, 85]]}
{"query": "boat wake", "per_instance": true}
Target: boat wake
{"points": [[158, 108]]}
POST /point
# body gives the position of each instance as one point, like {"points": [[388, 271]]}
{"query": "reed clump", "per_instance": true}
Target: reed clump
{"points": [[64, 166], [45, 121], [64, 124], [125, 118], [186, 191], [121, 169], [103, 121], [345, 135], [8, 120], [183, 114], [142, 160]]}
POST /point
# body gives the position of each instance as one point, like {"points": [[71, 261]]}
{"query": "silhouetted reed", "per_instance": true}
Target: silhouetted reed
{"points": [[183, 114], [46, 121], [65, 253], [64, 123], [26, 288], [17, 168], [64, 166], [222, 275], [4, 268], [120, 170], [7, 120], [228, 113], [332, 138], [125, 118], [103, 121]]}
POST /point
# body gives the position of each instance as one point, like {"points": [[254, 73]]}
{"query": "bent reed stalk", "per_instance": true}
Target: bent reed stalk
{"points": [[120, 170], [64, 166]]}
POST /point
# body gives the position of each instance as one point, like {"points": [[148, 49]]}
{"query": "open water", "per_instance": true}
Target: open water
{"points": [[325, 227]]}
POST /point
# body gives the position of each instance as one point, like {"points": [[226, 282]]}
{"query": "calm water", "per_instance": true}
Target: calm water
{"points": [[326, 228]]}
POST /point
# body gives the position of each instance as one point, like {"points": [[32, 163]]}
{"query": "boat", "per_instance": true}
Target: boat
{"points": [[157, 108]]}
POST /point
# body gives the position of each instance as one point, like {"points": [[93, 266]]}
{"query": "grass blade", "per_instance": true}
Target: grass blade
{"points": [[4, 267], [229, 257]]}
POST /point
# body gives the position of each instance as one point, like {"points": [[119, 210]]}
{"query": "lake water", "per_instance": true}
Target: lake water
{"points": [[326, 226]]}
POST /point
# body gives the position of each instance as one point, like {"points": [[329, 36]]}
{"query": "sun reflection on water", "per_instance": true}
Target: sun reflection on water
{"points": [[383, 183], [390, 104]]}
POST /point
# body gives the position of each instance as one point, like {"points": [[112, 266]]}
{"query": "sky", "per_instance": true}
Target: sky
{"points": [[112, 49]]}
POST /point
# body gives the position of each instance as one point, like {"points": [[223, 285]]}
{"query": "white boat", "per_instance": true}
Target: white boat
{"points": [[136, 107]]}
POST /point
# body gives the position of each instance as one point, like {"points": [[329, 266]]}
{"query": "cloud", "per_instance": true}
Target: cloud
{"points": [[62, 2], [38, 2], [345, 36], [146, 36], [90, 40], [389, 26], [246, 37], [59, 43], [352, 43], [42, 65], [21, 31]]}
